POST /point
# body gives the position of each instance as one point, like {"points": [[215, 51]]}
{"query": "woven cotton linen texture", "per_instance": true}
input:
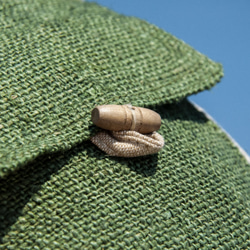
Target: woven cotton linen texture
{"points": [[192, 195], [128, 143], [60, 58]]}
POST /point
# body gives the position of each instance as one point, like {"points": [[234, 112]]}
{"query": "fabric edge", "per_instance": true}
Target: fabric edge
{"points": [[235, 143]]}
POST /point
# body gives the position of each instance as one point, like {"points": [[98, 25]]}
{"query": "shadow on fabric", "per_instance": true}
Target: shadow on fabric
{"points": [[18, 188]]}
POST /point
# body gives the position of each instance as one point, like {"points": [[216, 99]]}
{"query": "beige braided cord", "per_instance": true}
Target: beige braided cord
{"points": [[128, 143]]}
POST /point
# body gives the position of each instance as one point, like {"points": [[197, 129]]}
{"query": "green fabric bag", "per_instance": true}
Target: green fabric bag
{"points": [[59, 59]]}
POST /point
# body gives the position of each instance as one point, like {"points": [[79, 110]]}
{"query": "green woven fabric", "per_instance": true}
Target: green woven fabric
{"points": [[61, 58], [58, 59]]}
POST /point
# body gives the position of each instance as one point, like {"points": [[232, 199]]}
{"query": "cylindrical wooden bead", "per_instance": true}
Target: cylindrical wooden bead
{"points": [[126, 117]]}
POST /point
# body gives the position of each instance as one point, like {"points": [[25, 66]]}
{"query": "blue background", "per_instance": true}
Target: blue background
{"points": [[220, 30]]}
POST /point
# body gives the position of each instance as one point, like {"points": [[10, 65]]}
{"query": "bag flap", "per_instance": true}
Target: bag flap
{"points": [[61, 58]]}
